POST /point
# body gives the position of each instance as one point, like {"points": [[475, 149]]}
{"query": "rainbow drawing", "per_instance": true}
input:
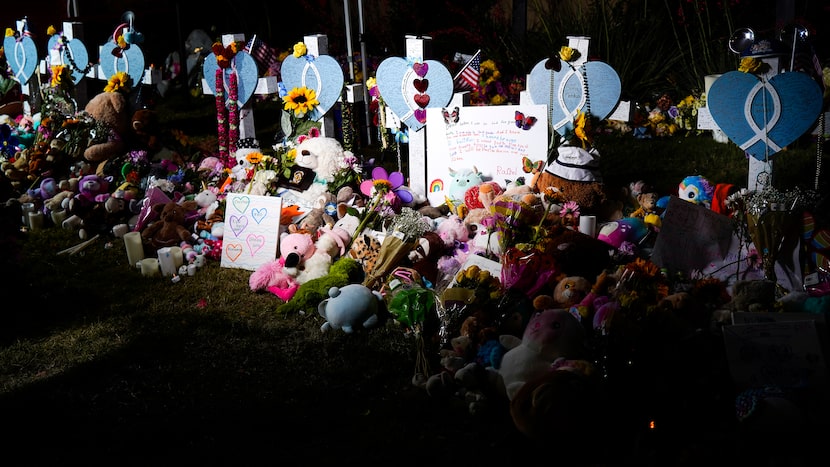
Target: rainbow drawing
{"points": [[436, 186]]}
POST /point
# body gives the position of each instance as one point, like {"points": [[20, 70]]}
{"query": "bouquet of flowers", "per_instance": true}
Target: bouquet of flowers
{"points": [[767, 217]]}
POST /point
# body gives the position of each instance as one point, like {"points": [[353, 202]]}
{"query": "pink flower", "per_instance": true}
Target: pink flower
{"points": [[570, 208]]}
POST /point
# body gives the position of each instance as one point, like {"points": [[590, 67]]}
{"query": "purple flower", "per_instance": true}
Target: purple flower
{"points": [[383, 181]]}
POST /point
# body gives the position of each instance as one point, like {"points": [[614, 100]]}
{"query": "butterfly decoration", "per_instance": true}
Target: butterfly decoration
{"points": [[450, 117], [554, 62], [524, 122], [531, 167], [401, 136]]}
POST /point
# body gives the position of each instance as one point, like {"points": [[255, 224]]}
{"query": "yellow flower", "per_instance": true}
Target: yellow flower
{"points": [[9, 32], [371, 82], [498, 99], [254, 158], [300, 49], [750, 65], [117, 82], [580, 127], [122, 43], [51, 31], [57, 75], [300, 101], [236, 46], [291, 156], [567, 53]]}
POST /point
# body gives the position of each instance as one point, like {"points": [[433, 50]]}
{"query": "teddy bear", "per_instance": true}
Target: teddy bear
{"points": [[331, 244], [93, 191], [279, 276], [424, 257], [550, 334], [324, 156], [146, 130], [571, 290], [169, 228], [111, 109], [351, 307], [646, 202]]}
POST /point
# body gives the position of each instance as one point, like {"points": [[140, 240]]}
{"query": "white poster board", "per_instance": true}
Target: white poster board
{"points": [[252, 227], [493, 139]]}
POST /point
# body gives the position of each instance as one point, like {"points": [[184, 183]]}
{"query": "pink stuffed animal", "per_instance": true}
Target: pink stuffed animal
{"points": [[550, 334], [279, 276]]}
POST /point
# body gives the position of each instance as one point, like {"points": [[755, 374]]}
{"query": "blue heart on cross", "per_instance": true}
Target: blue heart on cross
{"points": [[409, 88], [593, 86], [130, 61], [322, 73], [246, 73], [72, 52], [763, 116], [21, 55]]}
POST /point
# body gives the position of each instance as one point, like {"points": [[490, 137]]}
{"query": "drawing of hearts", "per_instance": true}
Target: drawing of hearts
{"points": [[233, 251], [73, 51], [238, 224], [258, 214], [593, 85], [764, 117], [131, 62], [21, 56], [255, 243], [422, 100], [246, 75], [241, 203], [396, 78], [323, 74]]}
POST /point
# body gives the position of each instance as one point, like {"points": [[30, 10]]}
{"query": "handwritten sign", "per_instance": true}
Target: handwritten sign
{"points": [[251, 230], [692, 237], [786, 354], [496, 140]]}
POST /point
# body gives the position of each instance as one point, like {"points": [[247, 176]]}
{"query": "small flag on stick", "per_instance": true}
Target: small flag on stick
{"points": [[467, 77]]}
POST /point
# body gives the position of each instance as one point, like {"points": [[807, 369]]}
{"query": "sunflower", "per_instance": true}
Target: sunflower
{"points": [[254, 158], [118, 82], [300, 101]]}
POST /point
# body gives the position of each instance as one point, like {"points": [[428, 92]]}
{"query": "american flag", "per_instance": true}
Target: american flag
{"points": [[467, 78], [265, 56]]}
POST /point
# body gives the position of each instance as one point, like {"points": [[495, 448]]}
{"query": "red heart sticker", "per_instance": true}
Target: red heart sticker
{"points": [[422, 100], [421, 84]]}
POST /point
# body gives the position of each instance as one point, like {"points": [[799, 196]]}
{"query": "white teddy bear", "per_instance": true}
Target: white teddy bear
{"points": [[326, 157]]}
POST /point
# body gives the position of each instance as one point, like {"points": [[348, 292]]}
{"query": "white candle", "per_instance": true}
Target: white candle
{"points": [[167, 262], [27, 208], [36, 220], [134, 247], [178, 256], [588, 225], [149, 267]]}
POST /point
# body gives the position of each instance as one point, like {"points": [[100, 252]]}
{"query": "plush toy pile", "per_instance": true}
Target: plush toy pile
{"points": [[512, 300]]}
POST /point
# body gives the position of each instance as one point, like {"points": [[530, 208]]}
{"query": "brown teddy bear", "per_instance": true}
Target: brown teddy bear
{"points": [[169, 230], [146, 129], [111, 109]]}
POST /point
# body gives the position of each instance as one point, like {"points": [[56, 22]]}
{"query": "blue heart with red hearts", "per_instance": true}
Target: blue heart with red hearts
{"points": [[410, 88]]}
